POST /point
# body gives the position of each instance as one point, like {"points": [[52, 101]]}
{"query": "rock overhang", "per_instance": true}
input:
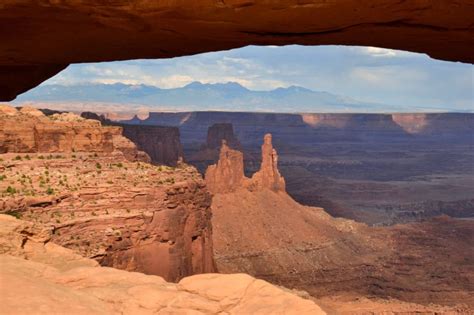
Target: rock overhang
{"points": [[39, 39]]}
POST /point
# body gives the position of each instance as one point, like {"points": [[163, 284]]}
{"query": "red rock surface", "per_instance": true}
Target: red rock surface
{"points": [[228, 174], [28, 130], [44, 278], [268, 177], [161, 143], [265, 233], [37, 41], [130, 215]]}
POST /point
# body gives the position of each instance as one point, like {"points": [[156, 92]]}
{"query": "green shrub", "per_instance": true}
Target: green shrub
{"points": [[10, 190], [98, 166], [18, 158], [14, 213], [50, 191]]}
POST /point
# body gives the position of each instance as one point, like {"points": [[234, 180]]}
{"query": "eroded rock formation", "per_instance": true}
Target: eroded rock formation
{"points": [[268, 176], [44, 278], [161, 143], [265, 233], [121, 212], [28, 130], [221, 131], [208, 153], [228, 174], [31, 51]]}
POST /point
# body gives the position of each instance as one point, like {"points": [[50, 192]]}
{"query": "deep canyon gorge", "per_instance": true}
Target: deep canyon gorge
{"points": [[303, 200], [95, 193]]}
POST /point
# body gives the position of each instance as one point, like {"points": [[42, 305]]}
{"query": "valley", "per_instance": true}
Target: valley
{"points": [[85, 189], [380, 169]]}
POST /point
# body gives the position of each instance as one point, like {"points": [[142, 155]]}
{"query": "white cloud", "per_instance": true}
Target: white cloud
{"points": [[366, 73]]}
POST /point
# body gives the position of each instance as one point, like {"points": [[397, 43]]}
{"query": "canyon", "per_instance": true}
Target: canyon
{"points": [[260, 230], [85, 201], [101, 201], [58, 281], [380, 169]]}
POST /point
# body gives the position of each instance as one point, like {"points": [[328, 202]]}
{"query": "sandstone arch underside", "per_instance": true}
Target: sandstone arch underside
{"points": [[40, 38]]}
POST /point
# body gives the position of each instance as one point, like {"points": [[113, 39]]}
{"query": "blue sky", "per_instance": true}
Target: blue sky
{"points": [[364, 73]]}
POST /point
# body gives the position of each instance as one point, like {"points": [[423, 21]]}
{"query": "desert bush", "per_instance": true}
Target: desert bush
{"points": [[13, 213]]}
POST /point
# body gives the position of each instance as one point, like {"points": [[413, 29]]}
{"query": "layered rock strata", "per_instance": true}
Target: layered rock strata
{"points": [[98, 201], [221, 131], [260, 230], [161, 143], [44, 278], [133, 216], [208, 153], [28, 130], [228, 174]]}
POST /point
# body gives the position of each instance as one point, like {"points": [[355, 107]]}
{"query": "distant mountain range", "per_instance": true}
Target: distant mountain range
{"points": [[229, 96]]}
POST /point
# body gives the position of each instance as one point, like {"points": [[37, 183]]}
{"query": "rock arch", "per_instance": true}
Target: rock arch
{"points": [[40, 38]]}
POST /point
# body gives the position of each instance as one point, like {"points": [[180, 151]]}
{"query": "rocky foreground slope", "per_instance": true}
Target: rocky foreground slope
{"points": [[39, 277], [122, 212], [260, 230]]}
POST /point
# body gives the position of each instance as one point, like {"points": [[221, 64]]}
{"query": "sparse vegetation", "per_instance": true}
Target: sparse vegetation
{"points": [[15, 214], [11, 190]]}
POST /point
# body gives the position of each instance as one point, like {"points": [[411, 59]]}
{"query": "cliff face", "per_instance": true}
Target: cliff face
{"points": [[29, 130], [162, 144], [228, 174], [63, 282], [260, 230], [132, 216], [129, 215], [218, 132]]}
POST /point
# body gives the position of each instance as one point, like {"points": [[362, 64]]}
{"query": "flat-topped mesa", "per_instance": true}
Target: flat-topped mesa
{"points": [[268, 176], [228, 174], [219, 132], [28, 130]]}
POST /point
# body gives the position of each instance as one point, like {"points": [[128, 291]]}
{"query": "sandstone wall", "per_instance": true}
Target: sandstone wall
{"points": [[162, 144], [44, 278], [28, 130], [128, 215]]}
